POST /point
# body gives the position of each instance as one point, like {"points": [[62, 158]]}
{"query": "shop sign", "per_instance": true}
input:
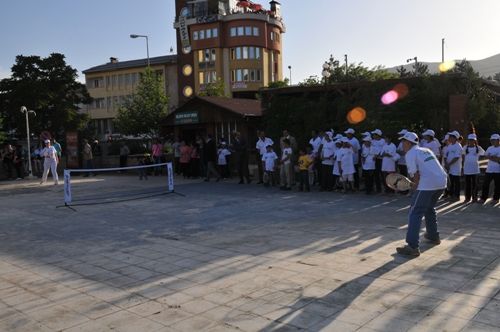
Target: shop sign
{"points": [[186, 118]]}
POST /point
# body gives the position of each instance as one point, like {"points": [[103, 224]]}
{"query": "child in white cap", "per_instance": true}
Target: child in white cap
{"points": [[345, 159], [222, 154], [472, 151], [493, 170], [453, 164], [429, 141]]}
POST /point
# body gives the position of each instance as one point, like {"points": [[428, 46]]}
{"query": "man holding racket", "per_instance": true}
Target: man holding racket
{"points": [[430, 180]]}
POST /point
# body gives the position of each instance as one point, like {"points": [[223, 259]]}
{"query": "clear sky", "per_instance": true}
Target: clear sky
{"points": [[385, 32]]}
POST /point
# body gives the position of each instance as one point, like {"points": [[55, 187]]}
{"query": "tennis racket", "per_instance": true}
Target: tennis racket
{"points": [[398, 182]]}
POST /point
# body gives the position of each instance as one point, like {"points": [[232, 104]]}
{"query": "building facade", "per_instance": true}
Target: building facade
{"points": [[238, 42], [113, 83]]}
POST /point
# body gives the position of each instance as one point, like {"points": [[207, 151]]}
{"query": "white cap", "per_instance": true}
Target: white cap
{"points": [[349, 131], [446, 137], [366, 133], [367, 139], [223, 143], [455, 134], [429, 132], [329, 133], [47, 141], [377, 132], [494, 136], [402, 132], [410, 137], [345, 140], [472, 137]]}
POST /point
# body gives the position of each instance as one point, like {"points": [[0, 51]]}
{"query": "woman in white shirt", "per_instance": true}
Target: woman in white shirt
{"points": [[472, 151], [453, 164], [493, 170], [389, 158]]}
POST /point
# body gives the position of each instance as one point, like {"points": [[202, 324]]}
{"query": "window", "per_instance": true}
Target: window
{"points": [[108, 81], [201, 77], [127, 79], [257, 53], [246, 75], [238, 53], [256, 31], [272, 35], [213, 56], [99, 103], [202, 34], [98, 82], [215, 32], [239, 76], [208, 33], [241, 31], [234, 32], [248, 31], [245, 52], [251, 52], [207, 55], [207, 77], [195, 35], [201, 56], [257, 75]]}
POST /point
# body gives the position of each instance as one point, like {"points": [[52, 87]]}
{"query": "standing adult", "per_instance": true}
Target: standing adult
{"points": [[124, 153], [293, 141], [430, 178], [58, 148], [176, 146], [431, 142], [315, 143], [210, 157], [327, 154], [492, 170], [377, 144], [241, 156], [157, 154], [49, 154], [88, 157], [261, 147], [356, 149], [453, 164]]}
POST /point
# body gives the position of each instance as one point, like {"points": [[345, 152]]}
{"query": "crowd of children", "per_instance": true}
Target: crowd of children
{"points": [[338, 161]]}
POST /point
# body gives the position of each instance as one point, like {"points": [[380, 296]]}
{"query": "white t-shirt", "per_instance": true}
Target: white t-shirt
{"points": [[471, 159], [401, 153], [377, 145], [222, 154], [355, 149], [336, 168], [493, 166], [287, 152], [389, 163], [345, 156], [327, 153], [433, 145], [368, 154], [425, 162], [49, 153], [315, 143], [454, 151], [269, 159], [262, 145]]}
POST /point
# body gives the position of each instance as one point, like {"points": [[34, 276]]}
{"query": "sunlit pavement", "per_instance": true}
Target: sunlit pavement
{"points": [[229, 257]]}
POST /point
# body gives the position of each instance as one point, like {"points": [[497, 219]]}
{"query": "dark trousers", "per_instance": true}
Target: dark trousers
{"points": [[260, 167], [326, 177], [242, 164], [471, 187], [269, 178], [488, 177], [403, 170], [356, 177], [123, 161], [455, 186], [19, 169], [177, 166], [377, 175], [224, 171], [184, 168], [304, 180], [368, 177]]}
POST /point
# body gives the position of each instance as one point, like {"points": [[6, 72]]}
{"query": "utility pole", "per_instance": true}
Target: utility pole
{"points": [[442, 50], [416, 63], [346, 67]]}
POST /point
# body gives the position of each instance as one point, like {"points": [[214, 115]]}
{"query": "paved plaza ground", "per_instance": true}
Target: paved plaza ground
{"points": [[229, 257]]}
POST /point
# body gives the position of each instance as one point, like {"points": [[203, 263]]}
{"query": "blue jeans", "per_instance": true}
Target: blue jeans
{"points": [[423, 205]]}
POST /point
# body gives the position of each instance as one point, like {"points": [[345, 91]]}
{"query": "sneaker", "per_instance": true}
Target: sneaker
{"points": [[433, 241], [408, 251]]}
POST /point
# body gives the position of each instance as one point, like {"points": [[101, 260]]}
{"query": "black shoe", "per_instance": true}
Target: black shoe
{"points": [[408, 251], [207, 180], [433, 241], [260, 182]]}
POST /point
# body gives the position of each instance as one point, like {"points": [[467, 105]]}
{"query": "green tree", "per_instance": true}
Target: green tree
{"points": [[48, 86], [337, 72], [215, 89], [2, 132], [142, 113], [313, 80], [279, 84]]}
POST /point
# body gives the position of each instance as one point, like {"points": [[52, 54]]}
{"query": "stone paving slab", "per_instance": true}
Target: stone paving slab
{"points": [[228, 257]]}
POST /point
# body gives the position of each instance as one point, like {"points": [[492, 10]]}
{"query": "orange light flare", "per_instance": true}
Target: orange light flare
{"points": [[356, 115]]}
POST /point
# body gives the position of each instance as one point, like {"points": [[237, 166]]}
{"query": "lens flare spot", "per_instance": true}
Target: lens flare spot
{"points": [[389, 97], [402, 90], [446, 66], [356, 115]]}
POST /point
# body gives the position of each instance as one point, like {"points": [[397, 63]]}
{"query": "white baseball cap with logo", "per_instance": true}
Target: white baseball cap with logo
{"points": [[410, 137], [455, 134], [429, 132], [367, 139], [472, 137], [377, 132], [494, 137], [349, 131]]}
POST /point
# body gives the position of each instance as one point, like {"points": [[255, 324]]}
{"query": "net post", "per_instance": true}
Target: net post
{"points": [[170, 176], [67, 187]]}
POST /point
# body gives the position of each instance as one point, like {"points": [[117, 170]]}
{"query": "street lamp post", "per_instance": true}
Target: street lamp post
{"points": [[416, 63], [326, 72], [290, 68], [147, 42], [25, 111]]}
